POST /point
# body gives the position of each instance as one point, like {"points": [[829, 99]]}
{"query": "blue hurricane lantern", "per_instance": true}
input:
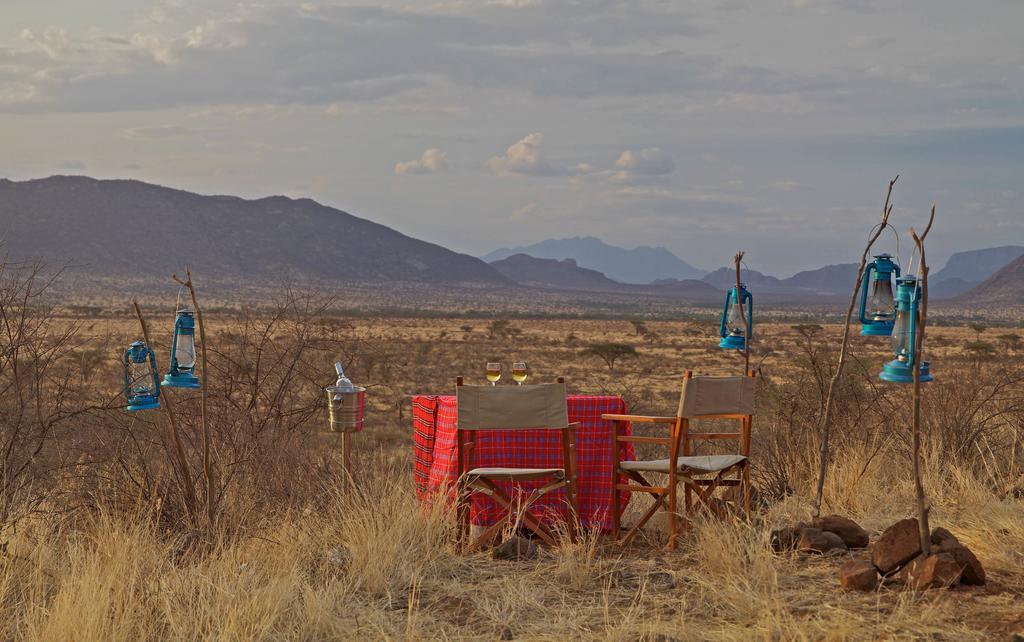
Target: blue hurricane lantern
{"points": [[183, 353], [141, 385], [904, 335], [878, 313], [734, 331]]}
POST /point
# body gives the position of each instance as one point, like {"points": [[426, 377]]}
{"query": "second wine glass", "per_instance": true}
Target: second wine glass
{"points": [[519, 373]]}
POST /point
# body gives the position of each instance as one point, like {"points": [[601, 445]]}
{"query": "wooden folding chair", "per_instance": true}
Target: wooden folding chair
{"points": [[532, 407], [702, 475]]}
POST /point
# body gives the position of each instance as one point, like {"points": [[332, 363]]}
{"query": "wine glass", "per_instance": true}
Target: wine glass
{"points": [[493, 372], [519, 373]]}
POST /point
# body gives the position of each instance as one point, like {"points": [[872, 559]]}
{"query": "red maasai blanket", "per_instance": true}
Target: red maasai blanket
{"points": [[435, 462]]}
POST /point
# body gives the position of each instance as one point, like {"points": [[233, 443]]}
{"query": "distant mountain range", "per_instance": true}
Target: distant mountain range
{"points": [[640, 265], [554, 273], [565, 274], [128, 232], [1004, 289], [964, 270], [830, 280], [137, 230]]}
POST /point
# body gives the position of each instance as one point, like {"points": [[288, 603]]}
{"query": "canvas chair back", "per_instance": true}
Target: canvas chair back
{"points": [[716, 396], [512, 407]]}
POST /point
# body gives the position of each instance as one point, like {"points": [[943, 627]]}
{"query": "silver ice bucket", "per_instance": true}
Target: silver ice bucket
{"points": [[345, 408]]}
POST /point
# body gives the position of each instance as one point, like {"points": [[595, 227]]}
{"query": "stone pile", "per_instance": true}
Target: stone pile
{"points": [[894, 558], [823, 535], [897, 556]]}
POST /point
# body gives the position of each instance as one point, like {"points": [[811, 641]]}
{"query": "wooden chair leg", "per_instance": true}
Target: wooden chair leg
{"points": [[488, 535], [530, 520], [463, 501], [745, 483], [616, 499], [659, 501], [672, 526]]}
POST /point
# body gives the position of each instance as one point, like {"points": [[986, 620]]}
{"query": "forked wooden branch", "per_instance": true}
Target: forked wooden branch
{"points": [[825, 428], [184, 471], [207, 462], [922, 505], [743, 316]]}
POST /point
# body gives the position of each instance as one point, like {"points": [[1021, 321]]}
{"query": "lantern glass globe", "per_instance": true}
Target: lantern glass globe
{"points": [[882, 302], [185, 352], [140, 377], [734, 321], [901, 334]]}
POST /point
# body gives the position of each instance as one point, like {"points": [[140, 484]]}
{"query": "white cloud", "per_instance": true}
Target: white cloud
{"points": [[524, 157], [431, 161], [52, 41], [649, 161], [213, 34], [160, 49]]}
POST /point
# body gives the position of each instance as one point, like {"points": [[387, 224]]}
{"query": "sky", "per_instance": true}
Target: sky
{"points": [[770, 126]]}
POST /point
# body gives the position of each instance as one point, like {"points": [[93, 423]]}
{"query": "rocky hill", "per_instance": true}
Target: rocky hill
{"points": [[640, 265], [1004, 289], [135, 230], [964, 270], [553, 273]]}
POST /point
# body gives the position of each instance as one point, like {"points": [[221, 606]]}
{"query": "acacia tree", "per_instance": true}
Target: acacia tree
{"points": [[610, 352]]}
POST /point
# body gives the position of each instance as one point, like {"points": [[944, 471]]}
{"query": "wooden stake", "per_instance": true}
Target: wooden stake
{"points": [[922, 506], [826, 414], [179, 451], [743, 317], [207, 463]]}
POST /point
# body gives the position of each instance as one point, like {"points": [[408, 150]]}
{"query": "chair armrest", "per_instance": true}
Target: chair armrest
{"points": [[640, 419]]}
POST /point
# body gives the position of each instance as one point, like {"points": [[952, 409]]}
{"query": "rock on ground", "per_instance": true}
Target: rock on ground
{"points": [[973, 573], [784, 539], [515, 548], [938, 570], [898, 544], [858, 575], [850, 531], [815, 540]]}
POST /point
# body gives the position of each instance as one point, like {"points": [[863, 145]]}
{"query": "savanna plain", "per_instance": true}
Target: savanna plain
{"points": [[109, 532]]}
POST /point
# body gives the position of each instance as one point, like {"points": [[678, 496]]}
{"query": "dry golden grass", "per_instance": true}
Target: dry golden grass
{"points": [[374, 564], [377, 566]]}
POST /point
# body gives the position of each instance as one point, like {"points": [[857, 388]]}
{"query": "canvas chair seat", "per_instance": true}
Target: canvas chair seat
{"points": [[698, 464], [516, 473]]}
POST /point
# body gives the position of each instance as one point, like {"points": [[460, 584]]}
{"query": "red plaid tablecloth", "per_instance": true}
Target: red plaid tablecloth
{"points": [[435, 463]]}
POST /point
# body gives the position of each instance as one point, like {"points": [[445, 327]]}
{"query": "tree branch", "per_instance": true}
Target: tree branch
{"points": [[826, 415], [207, 463], [179, 450]]}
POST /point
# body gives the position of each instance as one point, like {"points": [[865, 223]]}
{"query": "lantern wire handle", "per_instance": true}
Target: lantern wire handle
{"points": [[177, 302], [897, 235]]}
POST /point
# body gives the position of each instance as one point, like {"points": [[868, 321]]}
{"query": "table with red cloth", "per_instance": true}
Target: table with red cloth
{"points": [[435, 465]]}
